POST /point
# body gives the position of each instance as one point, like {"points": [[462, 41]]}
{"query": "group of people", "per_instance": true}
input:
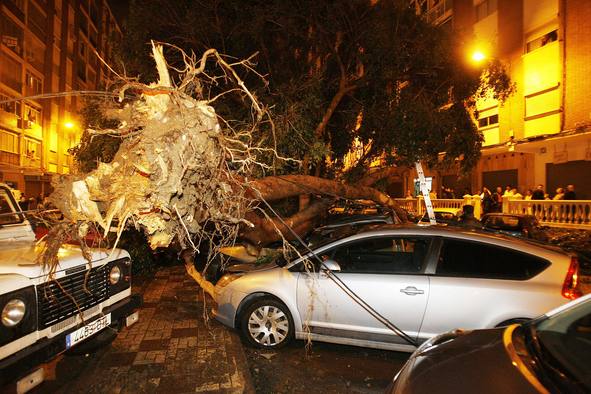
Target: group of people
{"points": [[493, 202]]}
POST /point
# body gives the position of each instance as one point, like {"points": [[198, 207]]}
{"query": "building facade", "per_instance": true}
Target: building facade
{"points": [[48, 47], [541, 134]]}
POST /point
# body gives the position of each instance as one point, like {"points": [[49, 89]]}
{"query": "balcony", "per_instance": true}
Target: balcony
{"points": [[439, 12], [9, 158]]}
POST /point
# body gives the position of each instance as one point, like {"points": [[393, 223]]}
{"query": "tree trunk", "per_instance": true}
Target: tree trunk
{"points": [[375, 176], [276, 188]]}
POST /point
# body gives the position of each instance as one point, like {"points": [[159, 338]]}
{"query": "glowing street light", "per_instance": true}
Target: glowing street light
{"points": [[69, 125], [478, 56]]}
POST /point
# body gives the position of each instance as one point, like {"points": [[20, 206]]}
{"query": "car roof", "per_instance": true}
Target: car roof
{"points": [[457, 232]]}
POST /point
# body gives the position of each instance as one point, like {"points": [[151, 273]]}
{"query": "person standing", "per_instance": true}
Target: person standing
{"points": [[498, 200], [559, 194], [487, 200], [570, 193], [529, 195], [539, 193], [467, 219]]}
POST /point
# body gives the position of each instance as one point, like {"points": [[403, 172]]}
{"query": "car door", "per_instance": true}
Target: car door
{"points": [[386, 272], [479, 285]]}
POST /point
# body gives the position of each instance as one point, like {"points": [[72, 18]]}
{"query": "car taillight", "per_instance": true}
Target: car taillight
{"points": [[569, 287]]}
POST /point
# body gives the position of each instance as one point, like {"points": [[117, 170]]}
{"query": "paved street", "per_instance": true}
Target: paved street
{"points": [[174, 348]]}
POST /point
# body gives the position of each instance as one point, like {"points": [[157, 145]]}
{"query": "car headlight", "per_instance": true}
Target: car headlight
{"points": [[13, 312], [227, 279], [115, 275]]}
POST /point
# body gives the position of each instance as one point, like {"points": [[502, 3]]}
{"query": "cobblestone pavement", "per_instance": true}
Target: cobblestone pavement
{"points": [[172, 349]]}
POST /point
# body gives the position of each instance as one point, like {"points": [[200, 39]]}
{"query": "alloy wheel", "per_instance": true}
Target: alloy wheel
{"points": [[268, 325]]}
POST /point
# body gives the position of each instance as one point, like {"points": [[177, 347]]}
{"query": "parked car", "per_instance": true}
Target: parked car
{"points": [[425, 280], [517, 225], [551, 354], [444, 215], [44, 314], [336, 226], [355, 207]]}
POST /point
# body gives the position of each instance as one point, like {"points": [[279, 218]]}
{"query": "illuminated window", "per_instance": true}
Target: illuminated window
{"points": [[32, 115], [12, 35], [32, 149], [36, 20], [10, 73], [8, 142], [541, 41], [10, 106], [34, 85], [485, 8], [488, 121]]}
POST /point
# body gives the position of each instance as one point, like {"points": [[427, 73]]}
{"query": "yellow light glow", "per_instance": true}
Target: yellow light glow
{"points": [[478, 56], [69, 125]]}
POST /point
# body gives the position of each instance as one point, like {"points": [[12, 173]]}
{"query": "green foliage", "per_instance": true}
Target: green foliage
{"points": [[142, 257], [408, 79]]}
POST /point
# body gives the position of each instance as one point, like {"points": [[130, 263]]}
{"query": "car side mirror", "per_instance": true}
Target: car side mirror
{"points": [[331, 265]]}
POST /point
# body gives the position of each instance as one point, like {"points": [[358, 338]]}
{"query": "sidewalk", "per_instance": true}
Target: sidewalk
{"points": [[172, 349]]}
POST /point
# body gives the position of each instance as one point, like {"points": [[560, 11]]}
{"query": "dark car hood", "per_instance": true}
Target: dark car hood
{"points": [[473, 363]]}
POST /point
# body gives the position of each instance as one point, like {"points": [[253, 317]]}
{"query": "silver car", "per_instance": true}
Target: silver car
{"points": [[425, 280]]}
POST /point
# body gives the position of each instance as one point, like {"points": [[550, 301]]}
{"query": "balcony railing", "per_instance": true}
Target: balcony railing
{"points": [[437, 12], [555, 213], [416, 206]]}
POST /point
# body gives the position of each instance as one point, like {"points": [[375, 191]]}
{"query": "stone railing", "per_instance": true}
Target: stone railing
{"points": [[555, 213], [416, 206]]}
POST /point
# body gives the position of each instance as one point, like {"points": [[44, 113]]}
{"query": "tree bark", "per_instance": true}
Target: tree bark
{"points": [[375, 176], [274, 188], [267, 231]]}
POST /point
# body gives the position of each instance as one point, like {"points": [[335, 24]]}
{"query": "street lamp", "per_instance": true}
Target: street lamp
{"points": [[478, 56], [69, 125]]}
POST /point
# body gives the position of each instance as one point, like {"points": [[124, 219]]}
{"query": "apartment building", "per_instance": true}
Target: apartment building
{"points": [[47, 47], [542, 134]]}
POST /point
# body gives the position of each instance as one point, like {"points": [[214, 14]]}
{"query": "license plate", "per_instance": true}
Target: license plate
{"points": [[87, 331]]}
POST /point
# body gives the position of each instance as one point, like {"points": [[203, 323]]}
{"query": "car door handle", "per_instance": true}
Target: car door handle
{"points": [[411, 290]]}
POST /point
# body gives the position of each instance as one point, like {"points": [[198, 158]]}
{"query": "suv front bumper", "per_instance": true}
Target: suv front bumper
{"points": [[19, 364]]}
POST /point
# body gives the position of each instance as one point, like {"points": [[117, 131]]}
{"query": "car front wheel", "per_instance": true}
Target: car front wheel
{"points": [[267, 323]]}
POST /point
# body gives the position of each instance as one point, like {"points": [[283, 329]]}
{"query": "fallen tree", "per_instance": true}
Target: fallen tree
{"points": [[180, 174]]}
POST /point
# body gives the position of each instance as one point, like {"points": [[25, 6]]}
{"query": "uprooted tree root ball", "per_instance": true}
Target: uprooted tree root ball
{"points": [[177, 173]]}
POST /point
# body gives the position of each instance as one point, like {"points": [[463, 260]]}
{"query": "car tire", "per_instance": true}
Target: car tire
{"points": [[267, 323]]}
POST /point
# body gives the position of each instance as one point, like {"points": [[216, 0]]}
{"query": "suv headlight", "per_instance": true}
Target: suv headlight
{"points": [[18, 314], [119, 274], [13, 312], [115, 275]]}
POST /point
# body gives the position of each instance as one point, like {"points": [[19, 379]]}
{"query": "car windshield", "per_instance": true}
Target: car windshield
{"points": [[566, 338], [7, 209]]}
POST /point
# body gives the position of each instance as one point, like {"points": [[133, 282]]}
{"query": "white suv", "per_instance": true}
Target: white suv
{"points": [[42, 317]]}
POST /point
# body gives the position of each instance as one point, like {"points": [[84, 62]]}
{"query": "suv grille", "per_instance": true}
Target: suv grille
{"points": [[59, 299]]}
